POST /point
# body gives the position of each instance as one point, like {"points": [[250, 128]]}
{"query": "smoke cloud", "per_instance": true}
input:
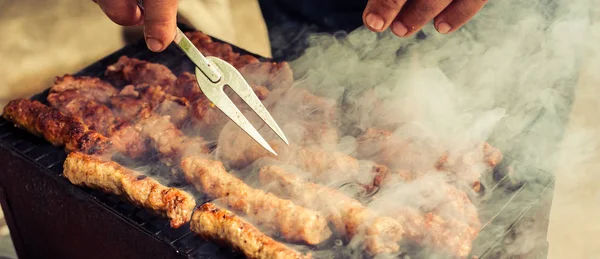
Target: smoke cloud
{"points": [[508, 78]]}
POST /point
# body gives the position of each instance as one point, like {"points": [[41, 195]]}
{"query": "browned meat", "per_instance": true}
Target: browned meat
{"points": [[134, 71], [450, 225], [95, 115], [163, 103], [143, 191], [168, 140], [84, 98], [419, 156], [127, 108], [221, 50], [68, 87], [223, 227], [239, 150], [270, 74], [351, 218], [205, 117], [129, 141], [274, 214], [186, 86], [57, 128]]}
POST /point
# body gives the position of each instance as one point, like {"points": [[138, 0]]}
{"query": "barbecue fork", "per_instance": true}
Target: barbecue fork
{"points": [[212, 75]]}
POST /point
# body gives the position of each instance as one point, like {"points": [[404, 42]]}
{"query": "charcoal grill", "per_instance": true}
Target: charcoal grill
{"points": [[49, 217]]}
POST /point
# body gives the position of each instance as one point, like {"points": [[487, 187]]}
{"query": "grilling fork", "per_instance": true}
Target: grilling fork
{"points": [[212, 75]]}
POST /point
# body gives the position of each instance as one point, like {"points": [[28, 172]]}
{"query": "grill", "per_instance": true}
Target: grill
{"points": [[50, 218]]}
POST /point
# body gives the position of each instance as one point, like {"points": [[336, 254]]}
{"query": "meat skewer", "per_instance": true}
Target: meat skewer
{"points": [[224, 227], [350, 217], [57, 128], [278, 215], [143, 191]]}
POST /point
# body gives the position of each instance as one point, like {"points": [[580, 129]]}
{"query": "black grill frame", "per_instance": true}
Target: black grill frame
{"points": [[152, 235]]}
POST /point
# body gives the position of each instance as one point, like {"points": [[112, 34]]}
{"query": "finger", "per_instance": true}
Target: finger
{"points": [[379, 14], [457, 14], [160, 23], [121, 12], [417, 14]]}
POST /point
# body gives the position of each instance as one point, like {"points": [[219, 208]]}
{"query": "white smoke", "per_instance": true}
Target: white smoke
{"points": [[508, 77]]}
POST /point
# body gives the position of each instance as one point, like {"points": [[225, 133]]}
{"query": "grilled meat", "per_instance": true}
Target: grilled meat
{"points": [[68, 87], [168, 140], [275, 214], [95, 115], [351, 219], [239, 151], [269, 74], [224, 227], [55, 127], [449, 225], [223, 51], [420, 156], [134, 71], [143, 191], [84, 97]]}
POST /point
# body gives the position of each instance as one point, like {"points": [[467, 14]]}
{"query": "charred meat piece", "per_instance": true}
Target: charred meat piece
{"points": [[143, 191], [134, 71], [95, 115], [127, 108], [267, 210], [55, 127], [162, 103], [350, 217], [84, 97], [98, 116], [68, 87], [223, 227]]}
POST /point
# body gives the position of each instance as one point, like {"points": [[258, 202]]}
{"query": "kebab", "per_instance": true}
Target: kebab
{"points": [[350, 218], [143, 191], [223, 227], [266, 209], [57, 128]]}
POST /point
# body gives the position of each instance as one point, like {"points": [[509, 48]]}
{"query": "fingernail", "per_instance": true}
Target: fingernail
{"points": [[154, 44], [399, 29], [375, 21], [443, 27]]}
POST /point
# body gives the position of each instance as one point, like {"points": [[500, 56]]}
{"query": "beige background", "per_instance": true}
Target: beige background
{"points": [[42, 39]]}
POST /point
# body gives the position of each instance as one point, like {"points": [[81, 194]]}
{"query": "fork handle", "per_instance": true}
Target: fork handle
{"points": [[182, 41]]}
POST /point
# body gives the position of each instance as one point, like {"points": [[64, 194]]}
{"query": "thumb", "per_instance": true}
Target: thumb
{"points": [[160, 23], [379, 14]]}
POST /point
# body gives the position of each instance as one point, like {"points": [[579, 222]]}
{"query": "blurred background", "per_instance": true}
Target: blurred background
{"points": [[44, 39]]}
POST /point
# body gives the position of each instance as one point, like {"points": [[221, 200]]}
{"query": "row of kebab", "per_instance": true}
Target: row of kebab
{"points": [[143, 108]]}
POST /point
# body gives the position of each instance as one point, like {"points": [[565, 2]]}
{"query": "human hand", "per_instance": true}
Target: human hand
{"points": [[159, 19], [405, 17]]}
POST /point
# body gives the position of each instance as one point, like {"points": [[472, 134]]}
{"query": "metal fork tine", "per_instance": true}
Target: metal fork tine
{"points": [[222, 101], [238, 84]]}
